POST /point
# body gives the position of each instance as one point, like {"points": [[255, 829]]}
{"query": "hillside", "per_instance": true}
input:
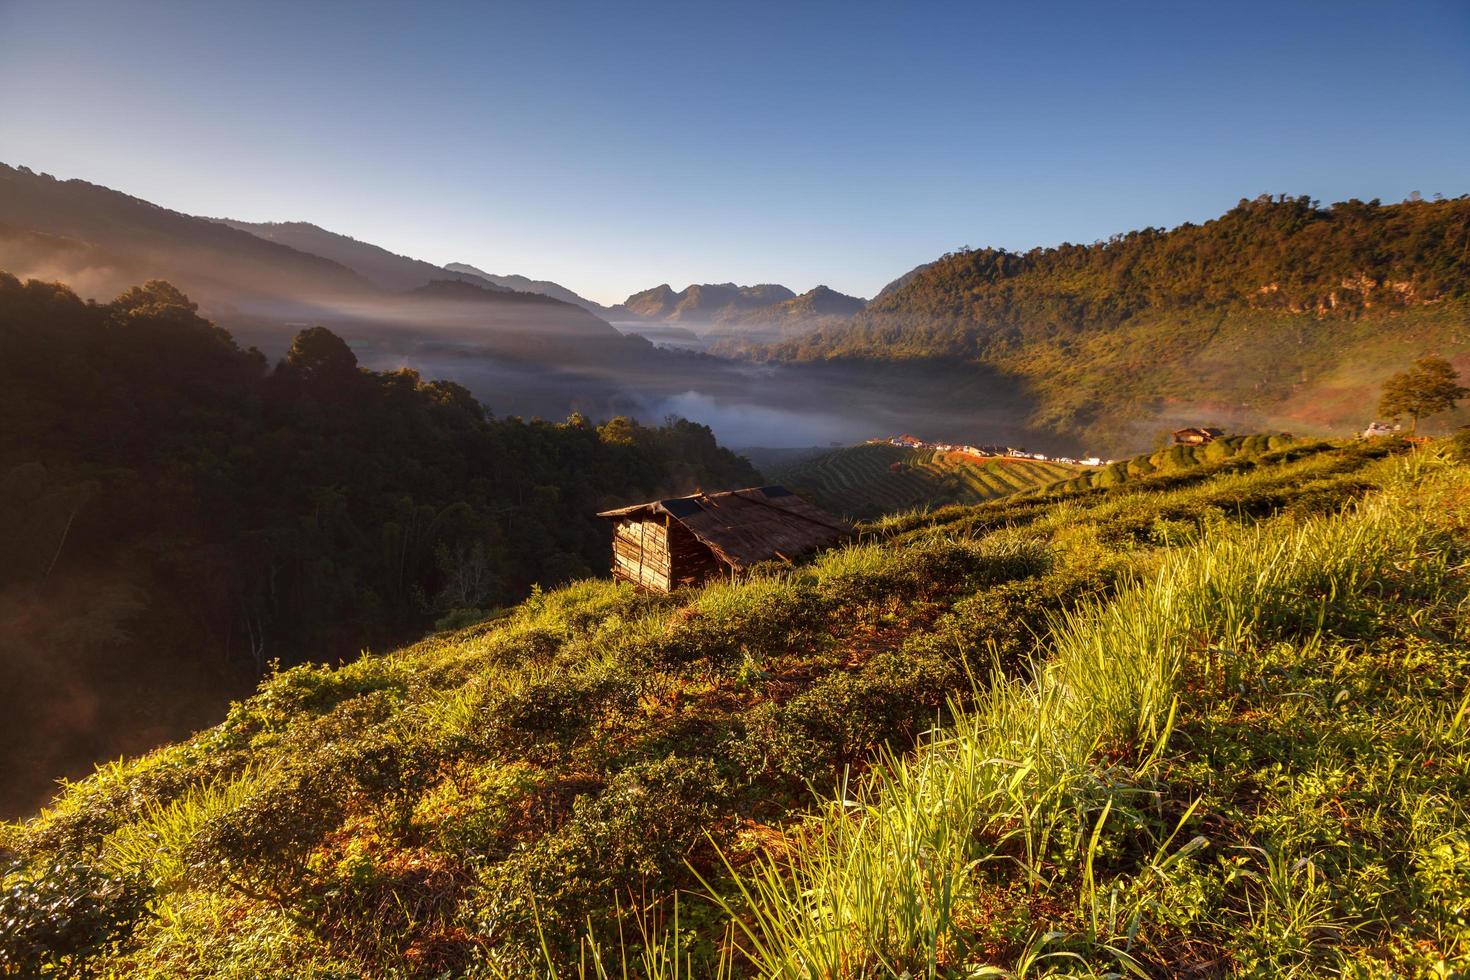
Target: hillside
{"points": [[176, 514], [1248, 749], [1175, 459], [877, 478], [525, 284], [738, 329], [105, 241], [375, 264], [813, 305], [699, 303], [1280, 314], [102, 242]]}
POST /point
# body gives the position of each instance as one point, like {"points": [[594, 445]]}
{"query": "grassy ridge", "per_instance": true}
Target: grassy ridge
{"points": [[877, 478], [1175, 459], [1110, 812], [1115, 672]]}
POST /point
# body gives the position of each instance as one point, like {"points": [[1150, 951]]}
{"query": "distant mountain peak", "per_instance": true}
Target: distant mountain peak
{"points": [[700, 302], [524, 284], [102, 241]]}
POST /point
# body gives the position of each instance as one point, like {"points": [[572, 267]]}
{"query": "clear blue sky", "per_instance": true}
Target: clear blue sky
{"points": [[612, 148]]}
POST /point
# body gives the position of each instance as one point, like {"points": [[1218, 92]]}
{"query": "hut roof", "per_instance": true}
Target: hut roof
{"points": [[746, 526]]}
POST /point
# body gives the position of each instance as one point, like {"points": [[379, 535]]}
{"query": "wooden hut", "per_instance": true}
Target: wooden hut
{"points": [[1196, 435], [665, 544]]}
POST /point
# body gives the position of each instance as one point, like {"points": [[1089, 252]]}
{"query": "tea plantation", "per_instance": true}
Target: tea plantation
{"points": [[877, 478], [1212, 722]]}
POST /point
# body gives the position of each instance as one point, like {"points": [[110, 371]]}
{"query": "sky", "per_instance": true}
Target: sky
{"points": [[612, 147]]}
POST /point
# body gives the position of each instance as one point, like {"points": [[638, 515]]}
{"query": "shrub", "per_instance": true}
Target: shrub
{"points": [[630, 840], [56, 916]]}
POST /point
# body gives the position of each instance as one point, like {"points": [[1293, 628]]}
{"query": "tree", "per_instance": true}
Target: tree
{"points": [[1429, 387], [322, 360]]}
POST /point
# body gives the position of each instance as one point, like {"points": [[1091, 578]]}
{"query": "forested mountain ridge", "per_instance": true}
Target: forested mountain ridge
{"points": [[260, 279], [376, 264], [699, 302], [175, 513], [1280, 309], [1278, 254], [818, 303], [525, 284], [103, 240], [738, 328]]}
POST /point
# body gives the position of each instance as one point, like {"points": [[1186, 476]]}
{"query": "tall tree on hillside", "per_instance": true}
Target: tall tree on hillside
{"points": [[1429, 387]]}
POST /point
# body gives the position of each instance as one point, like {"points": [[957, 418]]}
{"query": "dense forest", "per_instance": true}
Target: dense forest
{"points": [[177, 514], [1280, 310]]}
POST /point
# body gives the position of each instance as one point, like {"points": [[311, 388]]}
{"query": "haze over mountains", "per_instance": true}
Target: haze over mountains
{"points": [[521, 353], [379, 266], [539, 355], [707, 304], [526, 285], [101, 241], [1282, 313]]}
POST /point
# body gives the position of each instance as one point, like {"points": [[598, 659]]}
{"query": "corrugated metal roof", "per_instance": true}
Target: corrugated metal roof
{"points": [[743, 527]]}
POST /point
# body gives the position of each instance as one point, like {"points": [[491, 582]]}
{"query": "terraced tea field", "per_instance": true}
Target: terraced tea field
{"points": [[876, 478]]}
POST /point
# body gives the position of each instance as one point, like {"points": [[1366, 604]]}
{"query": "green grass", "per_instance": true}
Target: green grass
{"points": [[873, 479], [1179, 459], [1094, 817], [1212, 720]]}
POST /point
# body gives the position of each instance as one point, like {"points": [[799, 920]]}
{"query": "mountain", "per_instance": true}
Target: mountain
{"points": [[525, 285], [811, 308], [1177, 727], [260, 280], [377, 265], [102, 241], [1281, 313], [902, 280], [532, 327], [400, 273], [651, 304], [737, 330], [175, 514], [699, 303], [815, 304], [732, 317]]}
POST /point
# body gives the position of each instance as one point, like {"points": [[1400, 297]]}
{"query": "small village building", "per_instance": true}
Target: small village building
{"points": [[1380, 429], [665, 544], [1196, 435]]}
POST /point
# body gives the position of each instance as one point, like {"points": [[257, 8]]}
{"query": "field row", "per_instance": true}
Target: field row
{"points": [[877, 478]]}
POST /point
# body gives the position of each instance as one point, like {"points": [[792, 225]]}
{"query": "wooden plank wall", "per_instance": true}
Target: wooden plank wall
{"points": [[641, 554], [661, 557], [692, 560]]}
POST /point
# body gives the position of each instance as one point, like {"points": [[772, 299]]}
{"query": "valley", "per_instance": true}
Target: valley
{"points": [[656, 491], [1055, 350]]}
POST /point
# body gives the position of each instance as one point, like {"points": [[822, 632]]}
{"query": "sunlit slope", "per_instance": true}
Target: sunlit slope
{"points": [[1278, 671], [1178, 459], [878, 478]]}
